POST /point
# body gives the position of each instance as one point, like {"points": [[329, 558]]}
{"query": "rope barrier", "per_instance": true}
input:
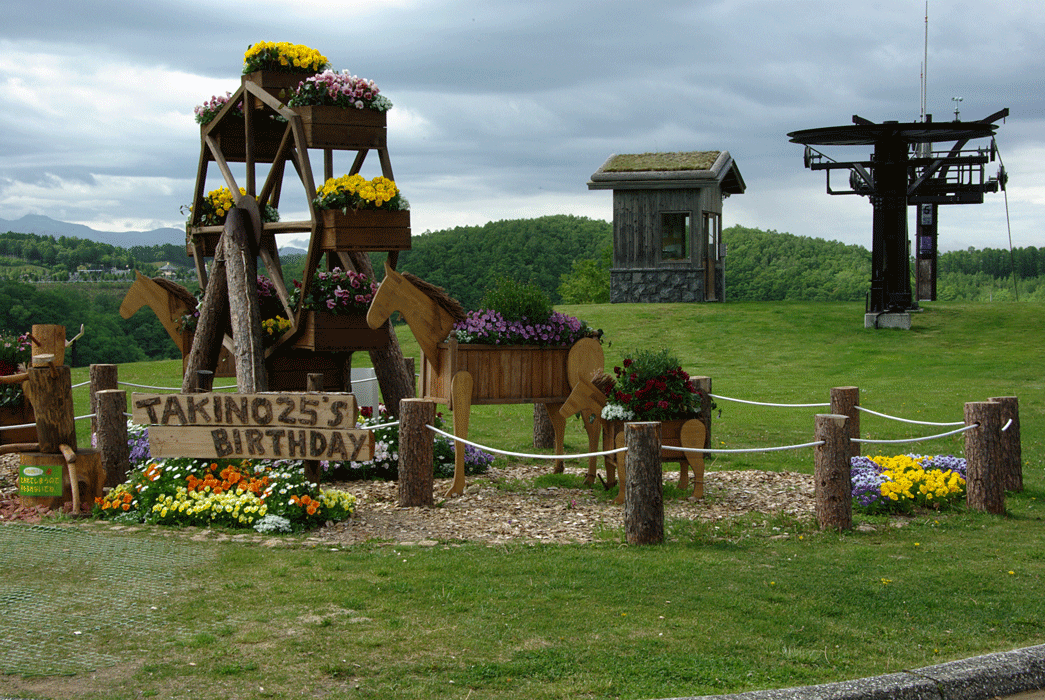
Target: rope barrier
{"points": [[89, 415], [772, 405], [747, 449], [907, 420], [383, 425], [1007, 424], [77, 386], [523, 455], [171, 388], [16, 427], [921, 439]]}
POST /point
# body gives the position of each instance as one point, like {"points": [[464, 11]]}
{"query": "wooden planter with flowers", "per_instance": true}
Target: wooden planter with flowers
{"points": [[343, 128], [324, 331], [500, 373], [363, 230], [688, 431]]}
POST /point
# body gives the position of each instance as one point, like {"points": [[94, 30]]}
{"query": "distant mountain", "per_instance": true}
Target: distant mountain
{"points": [[291, 250], [46, 226]]}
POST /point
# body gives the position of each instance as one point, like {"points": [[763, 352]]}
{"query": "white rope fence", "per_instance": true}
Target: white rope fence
{"points": [[771, 405], [918, 439], [523, 455], [166, 388], [743, 450], [907, 420]]}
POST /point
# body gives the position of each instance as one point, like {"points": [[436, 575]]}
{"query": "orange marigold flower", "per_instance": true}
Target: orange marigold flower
{"points": [[306, 499], [311, 510], [127, 497], [126, 506]]}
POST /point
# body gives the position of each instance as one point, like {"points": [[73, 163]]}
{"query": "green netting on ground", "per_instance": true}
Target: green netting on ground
{"points": [[66, 594]]}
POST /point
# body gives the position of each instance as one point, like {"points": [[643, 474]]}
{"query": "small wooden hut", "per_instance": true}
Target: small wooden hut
{"points": [[667, 224]]}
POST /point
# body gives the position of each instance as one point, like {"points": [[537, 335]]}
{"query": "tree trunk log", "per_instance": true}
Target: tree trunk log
{"points": [[832, 478], [241, 262], [49, 340], [644, 493], [50, 391], [389, 365], [983, 485], [210, 329], [416, 444], [543, 432], [103, 377], [90, 477], [112, 435], [844, 400], [1011, 445]]}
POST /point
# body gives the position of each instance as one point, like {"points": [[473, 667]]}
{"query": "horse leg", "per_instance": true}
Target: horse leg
{"points": [[559, 426], [610, 460], [593, 426], [461, 405], [693, 434]]}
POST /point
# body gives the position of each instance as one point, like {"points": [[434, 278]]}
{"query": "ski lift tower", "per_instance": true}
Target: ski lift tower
{"points": [[898, 176]]}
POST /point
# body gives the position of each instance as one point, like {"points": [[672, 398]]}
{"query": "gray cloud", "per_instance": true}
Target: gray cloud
{"points": [[508, 107]]}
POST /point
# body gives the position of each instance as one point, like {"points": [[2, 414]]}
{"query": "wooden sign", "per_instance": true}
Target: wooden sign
{"points": [[258, 426]]}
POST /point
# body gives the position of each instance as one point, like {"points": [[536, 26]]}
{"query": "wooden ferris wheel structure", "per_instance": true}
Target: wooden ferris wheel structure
{"points": [[266, 131]]}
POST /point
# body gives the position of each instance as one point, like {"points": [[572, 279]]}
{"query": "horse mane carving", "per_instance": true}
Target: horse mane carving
{"points": [[439, 296]]}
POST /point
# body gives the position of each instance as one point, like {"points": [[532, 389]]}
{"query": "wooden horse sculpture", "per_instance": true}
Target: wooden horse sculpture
{"points": [[170, 302], [462, 375], [588, 400]]}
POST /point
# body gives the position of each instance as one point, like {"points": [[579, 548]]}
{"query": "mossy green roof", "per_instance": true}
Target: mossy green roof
{"points": [[661, 162]]}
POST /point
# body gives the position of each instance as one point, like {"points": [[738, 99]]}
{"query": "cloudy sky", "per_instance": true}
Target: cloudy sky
{"points": [[503, 109]]}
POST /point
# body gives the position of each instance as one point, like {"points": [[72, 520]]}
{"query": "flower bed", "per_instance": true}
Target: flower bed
{"points": [[901, 483], [228, 493], [339, 89], [284, 57]]}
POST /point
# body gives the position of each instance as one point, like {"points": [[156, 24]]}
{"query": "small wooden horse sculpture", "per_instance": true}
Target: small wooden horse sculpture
{"points": [[170, 301], [462, 375]]}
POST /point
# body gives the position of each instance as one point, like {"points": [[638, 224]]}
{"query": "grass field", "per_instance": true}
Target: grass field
{"points": [[758, 602]]}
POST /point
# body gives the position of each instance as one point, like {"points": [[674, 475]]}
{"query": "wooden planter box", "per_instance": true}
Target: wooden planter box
{"points": [[334, 332], [500, 373], [337, 127], [364, 230], [18, 415], [232, 138], [277, 83], [670, 435]]}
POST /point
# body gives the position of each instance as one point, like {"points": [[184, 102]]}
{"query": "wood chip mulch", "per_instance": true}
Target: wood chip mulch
{"points": [[504, 506]]}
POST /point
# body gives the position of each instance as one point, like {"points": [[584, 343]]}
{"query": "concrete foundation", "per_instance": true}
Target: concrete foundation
{"points": [[888, 320]]}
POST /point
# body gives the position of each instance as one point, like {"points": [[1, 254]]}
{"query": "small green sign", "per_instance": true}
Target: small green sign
{"points": [[44, 480]]}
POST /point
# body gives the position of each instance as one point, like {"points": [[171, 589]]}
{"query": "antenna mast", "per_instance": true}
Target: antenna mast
{"points": [[925, 62]]}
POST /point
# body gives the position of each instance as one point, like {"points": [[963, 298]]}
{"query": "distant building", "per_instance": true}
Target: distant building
{"points": [[168, 271], [667, 224]]}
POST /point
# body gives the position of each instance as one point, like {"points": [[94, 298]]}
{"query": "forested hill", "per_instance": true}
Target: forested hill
{"points": [[771, 266], [469, 259]]}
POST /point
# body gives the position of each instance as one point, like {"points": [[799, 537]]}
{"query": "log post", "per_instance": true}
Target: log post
{"points": [[983, 483], [210, 329], [832, 478], [704, 384], [644, 493], [313, 383], [49, 389], [844, 400], [204, 381], [1011, 445], [49, 340], [112, 435], [543, 432], [103, 377], [241, 264], [416, 445]]}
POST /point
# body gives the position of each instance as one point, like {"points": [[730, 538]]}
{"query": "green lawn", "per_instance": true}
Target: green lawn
{"points": [[757, 602]]}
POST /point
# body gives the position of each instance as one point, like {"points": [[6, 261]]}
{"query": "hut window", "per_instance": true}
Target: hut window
{"points": [[674, 235]]}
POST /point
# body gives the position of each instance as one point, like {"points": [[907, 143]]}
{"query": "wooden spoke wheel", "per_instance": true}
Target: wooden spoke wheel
{"points": [[268, 132]]}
